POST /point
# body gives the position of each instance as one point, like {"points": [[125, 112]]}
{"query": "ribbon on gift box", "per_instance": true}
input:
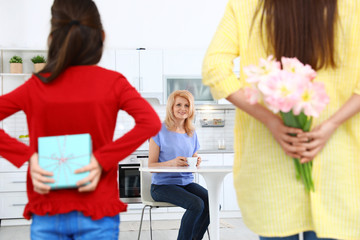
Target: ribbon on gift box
{"points": [[62, 155]]}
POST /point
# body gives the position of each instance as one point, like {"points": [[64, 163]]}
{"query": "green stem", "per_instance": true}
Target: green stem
{"points": [[297, 168], [303, 122], [307, 176], [309, 168], [303, 176]]}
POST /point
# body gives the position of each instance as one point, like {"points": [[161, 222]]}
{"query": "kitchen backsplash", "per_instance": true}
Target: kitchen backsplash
{"points": [[206, 123]]}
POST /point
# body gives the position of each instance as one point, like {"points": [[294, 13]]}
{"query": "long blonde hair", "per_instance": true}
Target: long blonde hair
{"points": [[170, 118]]}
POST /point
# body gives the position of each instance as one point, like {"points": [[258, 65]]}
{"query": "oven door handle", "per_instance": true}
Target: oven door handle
{"points": [[123, 167]]}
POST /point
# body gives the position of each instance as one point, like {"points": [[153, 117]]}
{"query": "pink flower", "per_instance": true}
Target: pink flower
{"points": [[290, 88], [252, 95], [291, 92], [281, 92], [266, 68], [313, 100], [295, 66]]}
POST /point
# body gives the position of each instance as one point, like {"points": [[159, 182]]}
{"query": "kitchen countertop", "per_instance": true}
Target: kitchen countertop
{"points": [[205, 151], [215, 151]]}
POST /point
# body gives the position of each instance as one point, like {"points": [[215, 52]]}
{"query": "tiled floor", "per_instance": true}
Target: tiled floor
{"points": [[230, 229]]}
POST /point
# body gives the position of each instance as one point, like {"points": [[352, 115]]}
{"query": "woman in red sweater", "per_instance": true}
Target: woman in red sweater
{"points": [[72, 95]]}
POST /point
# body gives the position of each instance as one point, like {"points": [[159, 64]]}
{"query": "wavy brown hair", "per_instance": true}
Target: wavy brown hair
{"points": [[304, 29], [170, 118], [76, 37]]}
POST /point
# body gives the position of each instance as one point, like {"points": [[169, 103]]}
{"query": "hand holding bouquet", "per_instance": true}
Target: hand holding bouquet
{"points": [[287, 88]]}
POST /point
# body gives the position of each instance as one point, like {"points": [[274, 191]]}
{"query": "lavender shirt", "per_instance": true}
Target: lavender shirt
{"points": [[172, 145]]}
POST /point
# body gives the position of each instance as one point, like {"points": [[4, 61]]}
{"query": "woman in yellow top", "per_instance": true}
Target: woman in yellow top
{"points": [[324, 34]]}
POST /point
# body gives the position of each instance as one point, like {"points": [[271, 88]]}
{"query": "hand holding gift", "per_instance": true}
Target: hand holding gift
{"points": [[90, 182], [39, 176], [68, 158], [287, 88]]}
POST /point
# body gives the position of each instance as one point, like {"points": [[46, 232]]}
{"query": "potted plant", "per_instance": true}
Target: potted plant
{"points": [[16, 64], [39, 62]]}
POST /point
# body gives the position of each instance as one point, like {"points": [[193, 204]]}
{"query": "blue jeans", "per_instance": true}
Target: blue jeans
{"points": [[310, 235], [192, 197], [74, 225]]}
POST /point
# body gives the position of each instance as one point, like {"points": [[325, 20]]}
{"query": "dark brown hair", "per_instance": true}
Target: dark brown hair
{"points": [[304, 29], [76, 37]]}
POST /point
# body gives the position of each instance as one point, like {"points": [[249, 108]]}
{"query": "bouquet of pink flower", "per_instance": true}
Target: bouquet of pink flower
{"points": [[287, 88]]}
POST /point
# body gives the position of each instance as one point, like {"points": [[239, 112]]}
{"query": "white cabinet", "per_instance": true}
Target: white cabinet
{"points": [[16, 125], [230, 202], [151, 71], [13, 196], [12, 205], [108, 59], [127, 63], [143, 69], [183, 62]]}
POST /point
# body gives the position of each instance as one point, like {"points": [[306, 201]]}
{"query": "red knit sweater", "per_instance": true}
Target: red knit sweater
{"points": [[83, 99]]}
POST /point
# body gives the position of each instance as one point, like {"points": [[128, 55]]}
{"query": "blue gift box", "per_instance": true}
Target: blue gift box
{"points": [[62, 155]]}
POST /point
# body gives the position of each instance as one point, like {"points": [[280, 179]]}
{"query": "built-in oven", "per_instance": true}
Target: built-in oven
{"points": [[129, 178]]}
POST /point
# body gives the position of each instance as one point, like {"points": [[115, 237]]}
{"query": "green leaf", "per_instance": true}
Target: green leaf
{"points": [[15, 59], [302, 118], [290, 120], [307, 126], [38, 59]]}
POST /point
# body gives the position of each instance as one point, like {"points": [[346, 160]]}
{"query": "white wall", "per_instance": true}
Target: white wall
{"points": [[166, 24]]}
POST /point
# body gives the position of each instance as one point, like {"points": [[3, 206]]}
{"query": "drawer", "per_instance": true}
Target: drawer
{"points": [[6, 166], [12, 204], [13, 182]]}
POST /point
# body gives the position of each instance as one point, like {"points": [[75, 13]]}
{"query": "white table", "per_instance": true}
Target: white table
{"points": [[214, 176]]}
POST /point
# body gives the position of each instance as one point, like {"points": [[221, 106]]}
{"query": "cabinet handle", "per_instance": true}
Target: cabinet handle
{"points": [[141, 84], [18, 182], [18, 204], [134, 167]]}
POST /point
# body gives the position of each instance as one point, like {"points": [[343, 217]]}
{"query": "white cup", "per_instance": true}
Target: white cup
{"points": [[192, 161]]}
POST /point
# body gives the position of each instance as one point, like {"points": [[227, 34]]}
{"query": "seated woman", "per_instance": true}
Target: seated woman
{"points": [[170, 147]]}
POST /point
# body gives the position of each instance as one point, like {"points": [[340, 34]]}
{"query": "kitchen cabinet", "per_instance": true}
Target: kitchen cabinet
{"points": [[144, 70], [127, 63], [16, 125], [183, 62], [13, 196], [108, 59], [230, 202]]}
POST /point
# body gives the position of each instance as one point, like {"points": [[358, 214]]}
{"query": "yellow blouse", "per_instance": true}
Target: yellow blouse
{"points": [[272, 201]]}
